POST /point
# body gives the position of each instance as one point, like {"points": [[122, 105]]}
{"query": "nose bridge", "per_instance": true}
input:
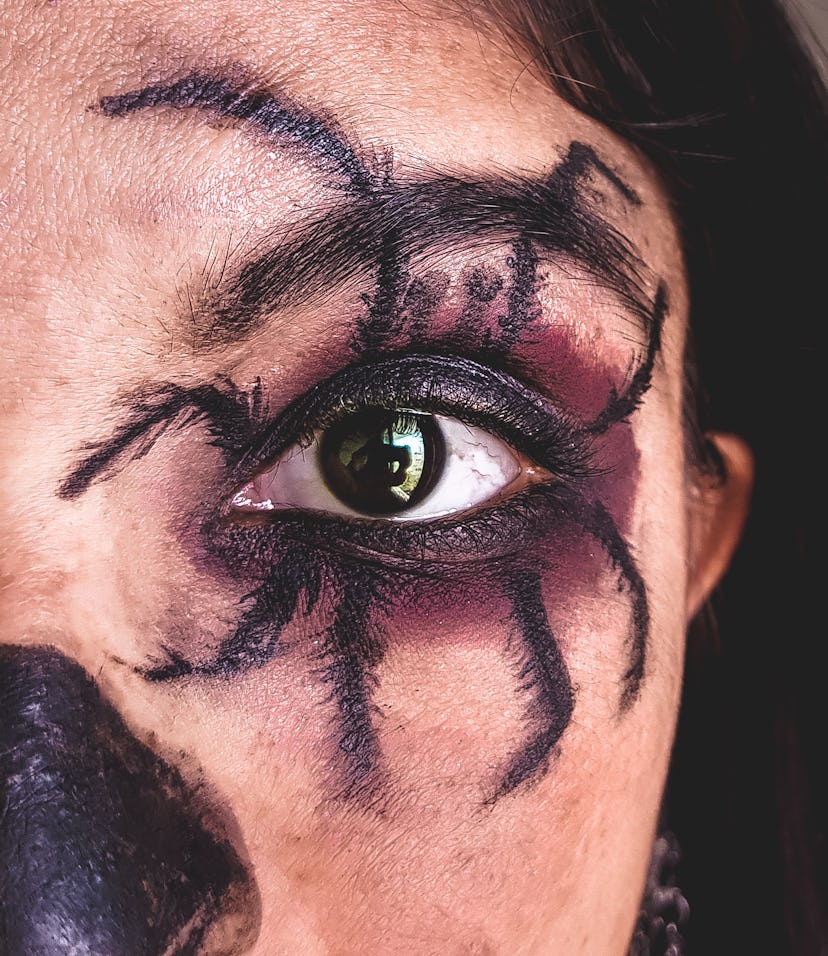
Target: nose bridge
{"points": [[104, 848]]}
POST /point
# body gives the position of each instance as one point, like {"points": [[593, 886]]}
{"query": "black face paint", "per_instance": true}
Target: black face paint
{"points": [[545, 671], [367, 568], [281, 120], [381, 233], [103, 848]]}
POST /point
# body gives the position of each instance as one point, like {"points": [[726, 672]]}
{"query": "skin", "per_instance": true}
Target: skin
{"points": [[113, 234]]}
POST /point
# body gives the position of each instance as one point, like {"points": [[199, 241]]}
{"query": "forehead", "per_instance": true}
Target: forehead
{"points": [[440, 85], [420, 91]]}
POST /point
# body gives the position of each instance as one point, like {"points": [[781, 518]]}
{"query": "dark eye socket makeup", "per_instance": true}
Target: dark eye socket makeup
{"points": [[378, 427], [452, 387], [460, 389]]}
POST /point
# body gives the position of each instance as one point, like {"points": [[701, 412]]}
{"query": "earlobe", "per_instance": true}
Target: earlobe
{"points": [[718, 509]]}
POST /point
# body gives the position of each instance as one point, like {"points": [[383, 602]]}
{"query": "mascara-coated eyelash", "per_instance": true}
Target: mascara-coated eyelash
{"points": [[461, 388], [456, 387]]}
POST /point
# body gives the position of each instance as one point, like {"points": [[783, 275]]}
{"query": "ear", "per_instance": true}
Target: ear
{"points": [[718, 509]]}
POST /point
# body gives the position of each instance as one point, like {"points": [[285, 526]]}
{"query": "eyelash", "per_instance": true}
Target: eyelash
{"points": [[460, 387]]}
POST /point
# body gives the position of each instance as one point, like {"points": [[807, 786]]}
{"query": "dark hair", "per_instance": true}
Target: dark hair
{"points": [[722, 97]]}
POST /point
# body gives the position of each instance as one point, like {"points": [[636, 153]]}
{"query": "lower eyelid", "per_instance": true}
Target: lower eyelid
{"points": [[487, 535]]}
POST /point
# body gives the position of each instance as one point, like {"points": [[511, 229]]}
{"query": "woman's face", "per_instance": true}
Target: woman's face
{"points": [[342, 431]]}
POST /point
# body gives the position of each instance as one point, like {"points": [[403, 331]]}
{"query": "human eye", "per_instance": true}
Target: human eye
{"points": [[409, 453], [397, 464]]}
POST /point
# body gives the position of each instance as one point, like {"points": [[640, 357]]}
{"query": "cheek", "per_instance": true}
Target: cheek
{"points": [[480, 665]]}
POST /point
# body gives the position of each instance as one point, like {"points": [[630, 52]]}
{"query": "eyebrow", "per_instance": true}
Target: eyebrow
{"points": [[382, 223], [383, 231]]}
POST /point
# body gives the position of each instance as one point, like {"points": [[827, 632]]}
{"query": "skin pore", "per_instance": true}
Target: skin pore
{"points": [[229, 234]]}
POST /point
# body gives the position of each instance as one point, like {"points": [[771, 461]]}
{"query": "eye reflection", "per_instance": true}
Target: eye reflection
{"points": [[394, 464], [381, 462]]}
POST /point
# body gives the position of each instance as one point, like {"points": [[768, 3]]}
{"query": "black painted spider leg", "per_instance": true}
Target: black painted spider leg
{"points": [[153, 414], [544, 671], [594, 519], [353, 652], [522, 305], [377, 328], [622, 404], [255, 640], [575, 167]]}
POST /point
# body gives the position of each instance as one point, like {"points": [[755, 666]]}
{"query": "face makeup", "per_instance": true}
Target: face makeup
{"points": [[408, 357]]}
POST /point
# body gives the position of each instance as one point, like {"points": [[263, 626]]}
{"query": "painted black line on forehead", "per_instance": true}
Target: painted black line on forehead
{"points": [[424, 213], [103, 847], [282, 120]]}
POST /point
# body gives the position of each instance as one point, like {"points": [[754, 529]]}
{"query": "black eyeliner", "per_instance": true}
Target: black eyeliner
{"points": [[437, 384]]}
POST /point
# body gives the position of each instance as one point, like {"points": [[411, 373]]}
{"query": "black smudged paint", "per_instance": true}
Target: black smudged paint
{"points": [[397, 312], [103, 847], [351, 655], [523, 306], [382, 321]]}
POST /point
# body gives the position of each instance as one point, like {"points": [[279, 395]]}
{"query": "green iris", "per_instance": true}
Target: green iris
{"points": [[381, 462]]}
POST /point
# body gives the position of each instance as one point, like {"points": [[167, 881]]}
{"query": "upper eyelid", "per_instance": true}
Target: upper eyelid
{"points": [[462, 388]]}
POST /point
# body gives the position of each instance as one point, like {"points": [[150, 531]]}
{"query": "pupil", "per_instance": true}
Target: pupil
{"points": [[382, 462]]}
